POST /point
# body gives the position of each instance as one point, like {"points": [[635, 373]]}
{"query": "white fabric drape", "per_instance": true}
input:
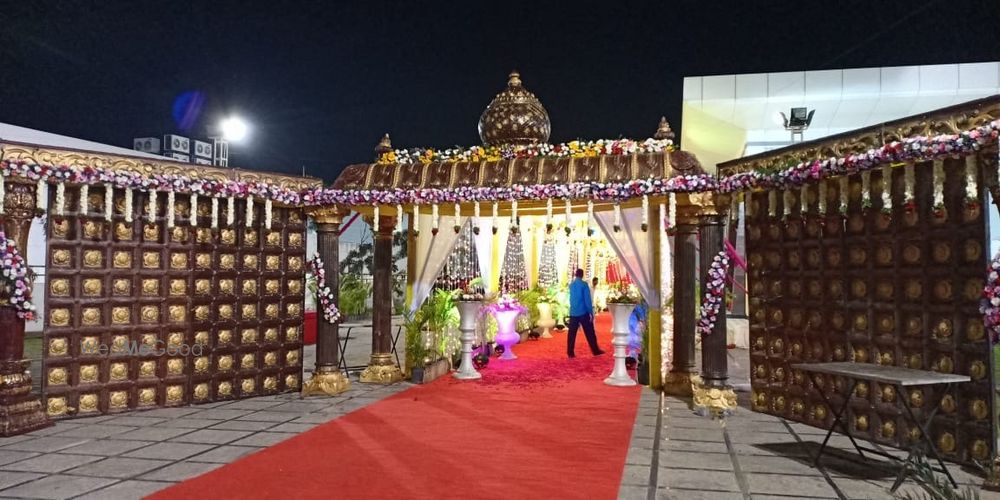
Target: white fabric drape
{"points": [[490, 248], [634, 248], [432, 253]]}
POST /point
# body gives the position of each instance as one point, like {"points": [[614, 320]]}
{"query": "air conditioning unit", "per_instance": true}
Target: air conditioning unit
{"points": [[176, 144], [146, 144], [202, 161], [179, 156], [203, 149]]}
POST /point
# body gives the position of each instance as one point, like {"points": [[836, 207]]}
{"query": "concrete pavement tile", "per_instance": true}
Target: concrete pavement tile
{"points": [[189, 423], [251, 404], [291, 427], [224, 454], [126, 490], [222, 414], [170, 412], [778, 465], [135, 421], [697, 479], [789, 484], [635, 475], [50, 463], [630, 492], [211, 436], [4, 441], [242, 425], [95, 431], [263, 439], [639, 456], [56, 487], [696, 460], [153, 434], [181, 471], [119, 467], [8, 456], [709, 435], [317, 418], [646, 431], [54, 429], [678, 494], [699, 446], [46, 444], [269, 416], [169, 451], [11, 478], [106, 447]]}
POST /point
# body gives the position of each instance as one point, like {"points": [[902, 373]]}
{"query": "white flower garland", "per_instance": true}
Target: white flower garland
{"points": [[971, 185], [150, 206], [788, 199], [128, 205], [41, 189], [845, 191], [548, 214], [416, 220], [194, 210], [618, 217], [215, 213], [671, 210], [734, 208], [170, 209], [399, 218], [645, 213], [268, 213], [475, 219], [772, 203], [937, 175], [590, 217], [84, 196], [866, 190], [61, 198], [109, 200], [569, 213], [249, 211], [458, 218], [230, 211], [375, 218], [821, 198], [887, 189], [496, 208], [435, 219], [804, 199], [909, 181], [514, 223], [3, 192], [324, 296]]}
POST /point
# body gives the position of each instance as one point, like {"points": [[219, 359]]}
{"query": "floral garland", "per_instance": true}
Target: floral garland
{"points": [[323, 293], [911, 148], [623, 294], [572, 149], [15, 281], [715, 293], [989, 305], [505, 303]]}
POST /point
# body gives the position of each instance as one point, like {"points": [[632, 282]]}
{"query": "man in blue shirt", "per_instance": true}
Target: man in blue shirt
{"points": [[581, 313]]}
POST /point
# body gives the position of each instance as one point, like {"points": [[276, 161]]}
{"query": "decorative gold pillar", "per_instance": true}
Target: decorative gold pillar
{"points": [[712, 394], [20, 410], [382, 369], [653, 315], [682, 370], [327, 379]]}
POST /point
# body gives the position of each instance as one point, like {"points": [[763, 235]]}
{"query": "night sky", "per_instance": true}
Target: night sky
{"points": [[320, 82]]}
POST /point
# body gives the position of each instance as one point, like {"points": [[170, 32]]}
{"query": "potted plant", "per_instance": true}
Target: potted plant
{"points": [[354, 294], [413, 326], [439, 334]]}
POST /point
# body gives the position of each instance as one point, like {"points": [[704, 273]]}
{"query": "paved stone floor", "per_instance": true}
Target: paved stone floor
{"points": [[748, 456]]}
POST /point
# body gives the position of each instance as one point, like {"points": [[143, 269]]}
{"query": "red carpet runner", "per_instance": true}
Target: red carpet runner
{"points": [[542, 426]]}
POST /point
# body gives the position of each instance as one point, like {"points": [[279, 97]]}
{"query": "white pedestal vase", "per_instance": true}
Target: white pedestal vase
{"points": [[507, 334], [619, 328], [468, 311], [545, 321]]}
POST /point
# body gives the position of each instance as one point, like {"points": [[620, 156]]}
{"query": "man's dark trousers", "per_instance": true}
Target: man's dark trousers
{"points": [[587, 322]]}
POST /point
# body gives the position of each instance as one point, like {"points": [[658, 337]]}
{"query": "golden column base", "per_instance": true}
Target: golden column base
{"points": [[328, 383], [713, 402], [680, 383], [381, 370], [992, 482]]}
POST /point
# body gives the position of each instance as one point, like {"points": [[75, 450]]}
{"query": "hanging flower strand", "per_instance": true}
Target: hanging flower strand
{"points": [[475, 218], [645, 214], [324, 295], [937, 179], [715, 293], [399, 218], [170, 209], [590, 217], [109, 198], [15, 279], [230, 211], [844, 192], [84, 197], [887, 189], [416, 220], [772, 203], [61, 198], [989, 304], [788, 199], [804, 200], [821, 199], [249, 211], [458, 218], [514, 222], [150, 206], [41, 193], [496, 208], [671, 212], [215, 213], [971, 185], [618, 218], [128, 204], [3, 191], [193, 220], [548, 215], [909, 181], [435, 219], [866, 190], [569, 213]]}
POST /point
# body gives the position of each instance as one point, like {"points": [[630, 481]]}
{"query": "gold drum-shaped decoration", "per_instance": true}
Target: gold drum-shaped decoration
{"points": [[888, 429], [859, 289], [833, 257], [175, 366], [913, 289], [883, 255], [796, 348], [819, 412], [225, 336], [200, 392], [270, 359], [294, 310], [271, 311], [175, 339], [147, 369], [225, 363], [797, 407], [248, 336], [761, 371], [948, 404], [884, 290], [202, 287], [777, 347], [228, 236], [224, 388], [271, 383], [943, 328], [916, 398], [886, 323], [911, 254], [886, 358], [226, 311], [272, 262], [149, 314], [250, 237], [250, 262], [151, 260], [60, 258], [793, 259], [149, 340], [179, 287], [295, 263], [815, 289], [292, 334], [122, 259], [147, 396], [974, 289], [836, 288], [55, 406], [273, 239], [941, 252], [227, 262], [977, 370], [226, 287], [88, 402], [861, 390], [272, 287], [247, 386], [914, 324], [860, 355], [249, 287], [271, 335], [943, 290], [90, 344], [175, 393], [201, 364], [179, 234], [837, 320], [201, 313], [292, 358], [855, 223], [93, 258], [979, 450], [247, 361], [839, 354], [778, 404], [91, 316], [204, 235], [779, 374], [118, 399], [979, 409], [944, 364], [973, 251], [177, 313], [295, 239], [861, 422], [178, 260], [295, 287], [118, 371], [861, 322], [203, 260], [58, 346], [91, 287], [857, 256], [60, 287], [151, 287], [292, 381], [201, 337], [151, 232], [249, 311], [946, 442], [57, 376], [888, 394], [88, 373], [60, 228]]}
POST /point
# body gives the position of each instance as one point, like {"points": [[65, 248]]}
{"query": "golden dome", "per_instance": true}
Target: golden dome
{"points": [[515, 116]]}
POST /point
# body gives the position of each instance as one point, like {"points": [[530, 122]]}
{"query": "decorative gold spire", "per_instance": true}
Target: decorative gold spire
{"points": [[384, 145], [663, 131], [515, 116]]}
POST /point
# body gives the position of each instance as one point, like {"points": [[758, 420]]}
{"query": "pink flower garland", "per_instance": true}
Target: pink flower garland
{"points": [[15, 279], [715, 293], [323, 293], [989, 305]]}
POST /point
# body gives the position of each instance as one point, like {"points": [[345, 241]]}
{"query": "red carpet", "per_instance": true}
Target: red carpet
{"points": [[542, 426]]}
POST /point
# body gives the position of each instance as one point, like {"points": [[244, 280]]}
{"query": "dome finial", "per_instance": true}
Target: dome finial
{"points": [[384, 146], [663, 131], [514, 79]]}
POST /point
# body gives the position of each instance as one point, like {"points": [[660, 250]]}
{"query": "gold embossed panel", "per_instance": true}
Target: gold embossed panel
{"points": [[896, 289], [141, 315]]}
